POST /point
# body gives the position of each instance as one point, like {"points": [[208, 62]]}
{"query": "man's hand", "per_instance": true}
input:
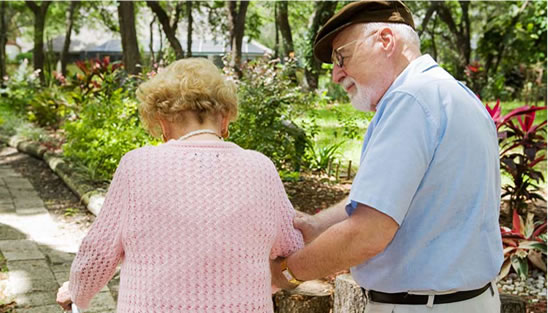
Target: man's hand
{"points": [[63, 296], [278, 279], [308, 225]]}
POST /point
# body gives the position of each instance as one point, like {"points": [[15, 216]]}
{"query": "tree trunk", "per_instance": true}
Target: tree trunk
{"points": [[311, 296], [349, 297], [497, 54], [277, 32], [130, 47], [3, 41], [324, 10], [460, 32], [39, 23], [283, 24], [169, 30], [68, 33], [151, 43], [189, 29], [236, 27]]}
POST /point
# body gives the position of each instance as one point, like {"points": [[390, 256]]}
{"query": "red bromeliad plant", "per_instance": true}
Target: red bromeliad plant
{"points": [[522, 146], [524, 243], [97, 73]]}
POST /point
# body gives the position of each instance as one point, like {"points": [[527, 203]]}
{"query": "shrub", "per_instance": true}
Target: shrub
{"points": [[268, 102], [523, 244], [523, 146], [108, 127], [48, 107], [21, 88]]}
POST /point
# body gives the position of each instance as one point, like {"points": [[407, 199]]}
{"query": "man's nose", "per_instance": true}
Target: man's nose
{"points": [[338, 74]]}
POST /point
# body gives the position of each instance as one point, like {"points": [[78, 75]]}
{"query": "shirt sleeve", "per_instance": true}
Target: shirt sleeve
{"points": [[396, 157], [101, 249]]}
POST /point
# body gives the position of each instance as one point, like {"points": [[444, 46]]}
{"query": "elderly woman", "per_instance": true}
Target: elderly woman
{"points": [[194, 221]]}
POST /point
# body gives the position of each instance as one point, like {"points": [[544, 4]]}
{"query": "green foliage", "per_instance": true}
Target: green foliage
{"points": [[523, 146], [318, 158], [268, 102], [105, 125], [107, 128], [524, 244], [71, 211], [48, 107], [21, 88], [20, 57], [287, 176]]}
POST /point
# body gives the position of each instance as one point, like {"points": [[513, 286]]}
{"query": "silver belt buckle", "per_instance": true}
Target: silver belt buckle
{"points": [[367, 296]]}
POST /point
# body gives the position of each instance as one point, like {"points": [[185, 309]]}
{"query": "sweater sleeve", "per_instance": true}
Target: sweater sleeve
{"points": [[288, 239], [101, 249]]}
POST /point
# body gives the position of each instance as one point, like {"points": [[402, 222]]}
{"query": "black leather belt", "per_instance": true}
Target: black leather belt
{"points": [[407, 298]]}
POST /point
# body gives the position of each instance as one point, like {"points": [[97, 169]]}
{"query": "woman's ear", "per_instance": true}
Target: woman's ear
{"points": [[224, 126], [165, 129]]}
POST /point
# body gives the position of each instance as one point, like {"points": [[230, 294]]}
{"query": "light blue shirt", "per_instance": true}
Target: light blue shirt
{"points": [[430, 160]]}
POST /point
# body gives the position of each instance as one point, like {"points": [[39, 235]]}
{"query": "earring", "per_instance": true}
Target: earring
{"points": [[225, 133]]}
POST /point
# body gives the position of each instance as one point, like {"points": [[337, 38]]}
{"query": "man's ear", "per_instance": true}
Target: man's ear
{"points": [[388, 40]]}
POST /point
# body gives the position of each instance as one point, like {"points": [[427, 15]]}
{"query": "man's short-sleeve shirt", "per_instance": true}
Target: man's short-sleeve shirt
{"points": [[430, 161]]}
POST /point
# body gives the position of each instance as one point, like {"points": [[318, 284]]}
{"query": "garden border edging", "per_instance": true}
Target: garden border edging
{"points": [[92, 198]]}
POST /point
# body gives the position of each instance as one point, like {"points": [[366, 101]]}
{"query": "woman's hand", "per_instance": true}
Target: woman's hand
{"points": [[63, 296]]}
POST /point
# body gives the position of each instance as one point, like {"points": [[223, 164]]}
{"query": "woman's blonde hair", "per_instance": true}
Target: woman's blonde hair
{"points": [[193, 84]]}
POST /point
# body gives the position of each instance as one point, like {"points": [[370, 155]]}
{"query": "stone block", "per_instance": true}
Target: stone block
{"points": [[59, 268], [30, 207], [10, 233], [8, 172], [32, 269], [19, 284], [56, 256], [42, 309], [103, 302], [7, 207], [17, 250], [26, 196], [36, 299], [15, 183]]}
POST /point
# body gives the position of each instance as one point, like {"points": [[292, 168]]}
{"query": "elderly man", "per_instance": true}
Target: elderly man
{"points": [[420, 232]]}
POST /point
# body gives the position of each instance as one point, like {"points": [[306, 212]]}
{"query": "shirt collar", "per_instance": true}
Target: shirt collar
{"points": [[419, 65]]}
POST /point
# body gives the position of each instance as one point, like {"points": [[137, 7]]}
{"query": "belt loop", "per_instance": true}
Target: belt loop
{"points": [[430, 302], [491, 286]]}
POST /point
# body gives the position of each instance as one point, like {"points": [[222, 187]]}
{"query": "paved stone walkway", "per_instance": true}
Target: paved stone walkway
{"points": [[38, 252]]}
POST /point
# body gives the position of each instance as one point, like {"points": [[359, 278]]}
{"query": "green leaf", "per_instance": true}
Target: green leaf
{"points": [[521, 266]]}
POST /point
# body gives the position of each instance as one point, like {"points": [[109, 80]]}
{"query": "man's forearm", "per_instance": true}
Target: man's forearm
{"points": [[348, 243], [330, 217]]}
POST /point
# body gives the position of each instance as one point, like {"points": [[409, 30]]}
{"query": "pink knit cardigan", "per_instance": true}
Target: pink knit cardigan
{"points": [[193, 225]]}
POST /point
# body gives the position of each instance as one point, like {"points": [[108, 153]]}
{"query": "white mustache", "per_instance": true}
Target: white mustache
{"points": [[347, 82]]}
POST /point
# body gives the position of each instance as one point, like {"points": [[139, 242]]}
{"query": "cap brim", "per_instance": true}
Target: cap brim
{"points": [[324, 47]]}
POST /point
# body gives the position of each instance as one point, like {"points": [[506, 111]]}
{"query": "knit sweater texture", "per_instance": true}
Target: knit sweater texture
{"points": [[192, 225]]}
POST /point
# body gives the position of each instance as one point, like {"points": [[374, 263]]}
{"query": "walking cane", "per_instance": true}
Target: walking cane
{"points": [[74, 308]]}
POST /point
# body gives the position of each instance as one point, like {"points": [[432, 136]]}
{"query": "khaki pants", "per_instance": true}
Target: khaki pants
{"points": [[484, 303]]}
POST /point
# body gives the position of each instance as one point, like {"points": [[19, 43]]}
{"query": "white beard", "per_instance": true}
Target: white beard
{"points": [[361, 98]]}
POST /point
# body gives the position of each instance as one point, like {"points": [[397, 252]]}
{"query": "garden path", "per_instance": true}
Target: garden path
{"points": [[38, 251]]}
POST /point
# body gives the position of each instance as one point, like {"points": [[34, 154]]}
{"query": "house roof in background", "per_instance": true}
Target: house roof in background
{"points": [[200, 46]]}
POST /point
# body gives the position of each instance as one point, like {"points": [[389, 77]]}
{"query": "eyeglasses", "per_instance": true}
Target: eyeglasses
{"points": [[336, 56]]}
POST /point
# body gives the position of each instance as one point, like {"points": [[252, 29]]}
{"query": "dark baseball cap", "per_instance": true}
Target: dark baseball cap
{"points": [[365, 11]]}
